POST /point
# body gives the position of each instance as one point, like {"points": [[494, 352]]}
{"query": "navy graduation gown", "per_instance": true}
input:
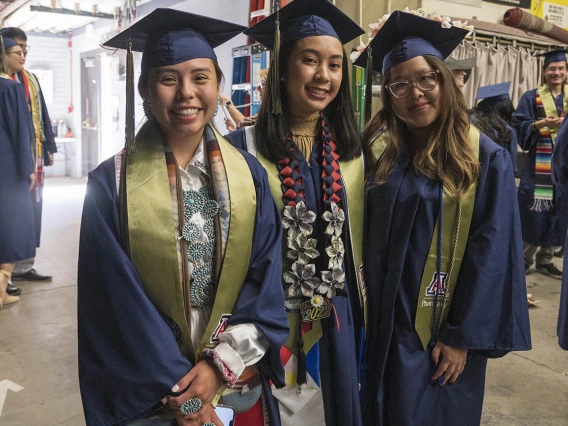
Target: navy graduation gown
{"points": [[17, 237], [560, 177], [488, 315], [128, 356], [539, 228], [338, 346]]}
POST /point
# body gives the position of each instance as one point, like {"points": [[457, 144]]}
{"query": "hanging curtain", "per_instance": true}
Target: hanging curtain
{"points": [[499, 64]]}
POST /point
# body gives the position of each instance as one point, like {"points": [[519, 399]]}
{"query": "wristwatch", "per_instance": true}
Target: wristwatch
{"points": [[228, 103]]}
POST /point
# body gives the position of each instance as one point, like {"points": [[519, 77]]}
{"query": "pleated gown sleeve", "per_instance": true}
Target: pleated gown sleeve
{"points": [[128, 356], [489, 310]]}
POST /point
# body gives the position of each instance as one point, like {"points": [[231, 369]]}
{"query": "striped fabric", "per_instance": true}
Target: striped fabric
{"points": [[543, 188]]}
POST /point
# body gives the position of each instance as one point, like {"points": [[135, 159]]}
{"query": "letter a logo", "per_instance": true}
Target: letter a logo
{"points": [[437, 285]]}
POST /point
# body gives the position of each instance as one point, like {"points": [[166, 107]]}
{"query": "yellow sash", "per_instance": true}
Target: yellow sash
{"points": [[424, 308], [152, 235], [549, 105]]}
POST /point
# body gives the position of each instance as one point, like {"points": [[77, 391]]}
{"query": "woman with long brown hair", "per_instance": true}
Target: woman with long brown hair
{"points": [[308, 142], [443, 255]]}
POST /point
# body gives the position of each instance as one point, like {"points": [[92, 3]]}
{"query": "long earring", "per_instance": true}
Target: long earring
{"points": [[147, 106], [217, 109]]}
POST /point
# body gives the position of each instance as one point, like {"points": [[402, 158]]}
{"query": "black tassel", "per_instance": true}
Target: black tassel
{"points": [[302, 374], [275, 83], [368, 85], [130, 141]]}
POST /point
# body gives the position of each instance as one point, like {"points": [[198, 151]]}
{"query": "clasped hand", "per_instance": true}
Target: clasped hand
{"points": [[450, 361], [204, 381]]}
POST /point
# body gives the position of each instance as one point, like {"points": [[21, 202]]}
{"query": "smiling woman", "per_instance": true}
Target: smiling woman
{"points": [[307, 140], [189, 297], [444, 293]]}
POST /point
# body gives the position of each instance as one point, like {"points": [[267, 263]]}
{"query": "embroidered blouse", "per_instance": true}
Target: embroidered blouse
{"points": [[240, 345]]}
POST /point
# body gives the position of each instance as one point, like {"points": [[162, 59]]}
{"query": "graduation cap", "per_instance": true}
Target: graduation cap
{"points": [[168, 37], [494, 91], [5, 44], [298, 20], [305, 18], [405, 36], [558, 55], [465, 65]]}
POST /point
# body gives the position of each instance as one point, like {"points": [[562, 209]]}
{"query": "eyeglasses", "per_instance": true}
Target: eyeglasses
{"points": [[426, 82], [19, 52], [25, 47]]}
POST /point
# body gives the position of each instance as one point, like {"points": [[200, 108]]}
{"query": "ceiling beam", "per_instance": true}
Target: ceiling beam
{"points": [[7, 11], [72, 12]]}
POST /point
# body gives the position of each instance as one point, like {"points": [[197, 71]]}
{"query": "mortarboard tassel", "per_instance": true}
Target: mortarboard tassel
{"points": [[276, 99], [3, 66], [369, 85], [301, 374], [130, 141]]}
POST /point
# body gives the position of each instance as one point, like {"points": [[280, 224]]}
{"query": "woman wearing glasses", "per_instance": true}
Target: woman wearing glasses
{"points": [[443, 263]]}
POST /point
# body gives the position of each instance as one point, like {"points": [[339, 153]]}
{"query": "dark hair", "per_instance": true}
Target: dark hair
{"points": [[447, 156], [143, 79], [14, 33], [492, 118], [271, 130]]}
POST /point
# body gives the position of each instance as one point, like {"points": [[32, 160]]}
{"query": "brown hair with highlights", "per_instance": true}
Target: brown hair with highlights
{"points": [[447, 157]]}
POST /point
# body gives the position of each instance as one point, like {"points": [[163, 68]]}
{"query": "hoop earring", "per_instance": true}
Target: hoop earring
{"points": [[147, 106], [217, 109]]}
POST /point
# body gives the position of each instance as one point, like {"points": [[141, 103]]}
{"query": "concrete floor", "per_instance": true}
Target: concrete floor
{"points": [[38, 344]]}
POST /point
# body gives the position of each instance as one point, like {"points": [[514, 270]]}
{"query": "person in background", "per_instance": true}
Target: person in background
{"points": [[239, 120], [17, 236], [307, 139], [543, 205], [461, 69], [43, 147], [444, 292], [179, 293], [493, 115], [560, 177]]}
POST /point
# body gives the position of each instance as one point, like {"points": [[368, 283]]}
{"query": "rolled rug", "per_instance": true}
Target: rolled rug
{"points": [[524, 20]]}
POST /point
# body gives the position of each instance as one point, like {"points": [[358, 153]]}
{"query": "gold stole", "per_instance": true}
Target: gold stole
{"points": [[352, 173], [424, 308], [152, 236], [549, 105]]}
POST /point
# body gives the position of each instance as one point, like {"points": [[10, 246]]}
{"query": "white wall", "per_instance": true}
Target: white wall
{"points": [[489, 12], [50, 52]]}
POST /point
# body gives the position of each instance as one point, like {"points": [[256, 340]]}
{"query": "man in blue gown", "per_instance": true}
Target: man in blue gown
{"points": [[543, 205]]}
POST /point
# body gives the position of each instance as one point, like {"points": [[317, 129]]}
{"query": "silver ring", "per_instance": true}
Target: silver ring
{"points": [[191, 406]]}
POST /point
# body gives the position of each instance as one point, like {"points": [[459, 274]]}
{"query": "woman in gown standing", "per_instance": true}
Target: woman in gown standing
{"points": [[443, 256]]}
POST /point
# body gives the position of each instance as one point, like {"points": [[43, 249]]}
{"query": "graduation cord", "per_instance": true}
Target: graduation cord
{"points": [[437, 321]]}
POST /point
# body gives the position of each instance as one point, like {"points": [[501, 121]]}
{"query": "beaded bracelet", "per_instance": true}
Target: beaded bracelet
{"points": [[229, 378]]}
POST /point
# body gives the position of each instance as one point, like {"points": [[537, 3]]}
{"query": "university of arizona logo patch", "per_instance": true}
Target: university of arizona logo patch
{"points": [[437, 285], [221, 327]]}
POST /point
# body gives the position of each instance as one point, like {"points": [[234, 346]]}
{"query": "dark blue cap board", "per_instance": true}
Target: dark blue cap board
{"points": [[405, 36], [558, 55], [497, 91], [169, 37], [8, 43], [305, 18]]}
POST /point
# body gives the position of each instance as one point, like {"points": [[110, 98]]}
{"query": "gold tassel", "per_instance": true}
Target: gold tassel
{"points": [[3, 63], [276, 99], [368, 85], [130, 141]]}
